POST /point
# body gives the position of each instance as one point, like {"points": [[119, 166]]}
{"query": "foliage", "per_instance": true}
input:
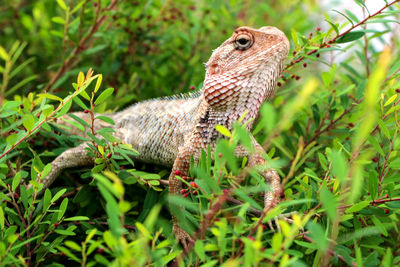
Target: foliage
{"points": [[331, 132]]}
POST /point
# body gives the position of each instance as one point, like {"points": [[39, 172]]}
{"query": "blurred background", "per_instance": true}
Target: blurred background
{"points": [[146, 49]]}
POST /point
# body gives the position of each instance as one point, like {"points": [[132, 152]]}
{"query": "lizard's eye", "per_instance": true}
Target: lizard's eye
{"points": [[243, 41]]}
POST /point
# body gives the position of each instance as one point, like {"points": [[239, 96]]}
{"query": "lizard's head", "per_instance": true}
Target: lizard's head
{"points": [[248, 49], [245, 68]]}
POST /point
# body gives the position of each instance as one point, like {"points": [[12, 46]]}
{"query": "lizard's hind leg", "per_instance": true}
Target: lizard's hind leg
{"points": [[70, 158]]}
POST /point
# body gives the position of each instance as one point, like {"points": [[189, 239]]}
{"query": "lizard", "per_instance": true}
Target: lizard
{"points": [[240, 75]]}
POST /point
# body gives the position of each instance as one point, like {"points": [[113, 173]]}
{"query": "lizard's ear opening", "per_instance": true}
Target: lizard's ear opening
{"points": [[213, 69]]}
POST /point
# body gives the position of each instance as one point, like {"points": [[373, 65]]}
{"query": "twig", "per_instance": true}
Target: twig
{"points": [[47, 119], [70, 62], [333, 40]]}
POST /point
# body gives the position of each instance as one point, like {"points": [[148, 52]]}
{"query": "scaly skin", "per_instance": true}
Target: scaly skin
{"points": [[240, 75]]}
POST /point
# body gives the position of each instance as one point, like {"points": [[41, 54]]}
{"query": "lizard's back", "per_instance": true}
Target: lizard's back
{"points": [[156, 128]]}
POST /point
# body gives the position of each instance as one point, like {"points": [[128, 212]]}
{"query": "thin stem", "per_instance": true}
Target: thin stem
{"points": [[47, 119], [333, 40]]}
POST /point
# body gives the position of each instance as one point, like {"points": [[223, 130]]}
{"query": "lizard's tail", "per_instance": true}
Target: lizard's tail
{"points": [[98, 124]]}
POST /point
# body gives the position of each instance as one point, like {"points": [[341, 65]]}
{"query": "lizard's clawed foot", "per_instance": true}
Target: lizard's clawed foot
{"points": [[285, 217], [183, 237]]}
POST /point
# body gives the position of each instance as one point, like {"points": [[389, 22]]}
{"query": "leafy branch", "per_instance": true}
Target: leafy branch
{"points": [[82, 85]]}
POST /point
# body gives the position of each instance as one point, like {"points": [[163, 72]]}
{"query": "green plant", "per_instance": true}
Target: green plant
{"points": [[331, 131]]}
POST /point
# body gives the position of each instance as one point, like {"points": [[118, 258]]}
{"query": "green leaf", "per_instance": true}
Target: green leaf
{"points": [[29, 122], [64, 232], [20, 84], [46, 170], [46, 200], [50, 96], [372, 140], [77, 218], [105, 119], [72, 245], [199, 249], [79, 119], [3, 54], [317, 234], [58, 195], [16, 181], [81, 78], [62, 4], [58, 20], [339, 167], [63, 208], [328, 202], [276, 242], [379, 224], [223, 130], [390, 100], [98, 83], [268, 116], [357, 207], [69, 254], [335, 28], [104, 95], [1, 218], [90, 235], [64, 109], [349, 37]]}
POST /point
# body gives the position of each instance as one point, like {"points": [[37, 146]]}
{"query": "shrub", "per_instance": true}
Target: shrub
{"points": [[331, 132]]}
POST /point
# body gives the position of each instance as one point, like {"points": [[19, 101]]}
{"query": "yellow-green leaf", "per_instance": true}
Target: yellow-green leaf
{"points": [[390, 100], [50, 96], [98, 83], [29, 122], [104, 95], [143, 230], [62, 4], [3, 54], [81, 79], [223, 130]]}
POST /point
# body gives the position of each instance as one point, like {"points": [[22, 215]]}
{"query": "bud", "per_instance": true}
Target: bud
{"points": [[386, 211], [86, 111]]}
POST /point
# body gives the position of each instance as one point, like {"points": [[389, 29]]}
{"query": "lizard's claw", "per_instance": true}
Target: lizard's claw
{"points": [[183, 237], [285, 217]]}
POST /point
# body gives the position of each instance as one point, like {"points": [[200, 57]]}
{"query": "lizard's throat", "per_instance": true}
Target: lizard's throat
{"points": [[256, 89]]}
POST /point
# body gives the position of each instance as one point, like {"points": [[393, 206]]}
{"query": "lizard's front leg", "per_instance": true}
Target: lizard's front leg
{"points": [[271, 197], [181, 168]]}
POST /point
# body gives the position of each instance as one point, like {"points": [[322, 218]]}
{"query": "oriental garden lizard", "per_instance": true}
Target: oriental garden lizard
{"points": [[240, 75]]}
